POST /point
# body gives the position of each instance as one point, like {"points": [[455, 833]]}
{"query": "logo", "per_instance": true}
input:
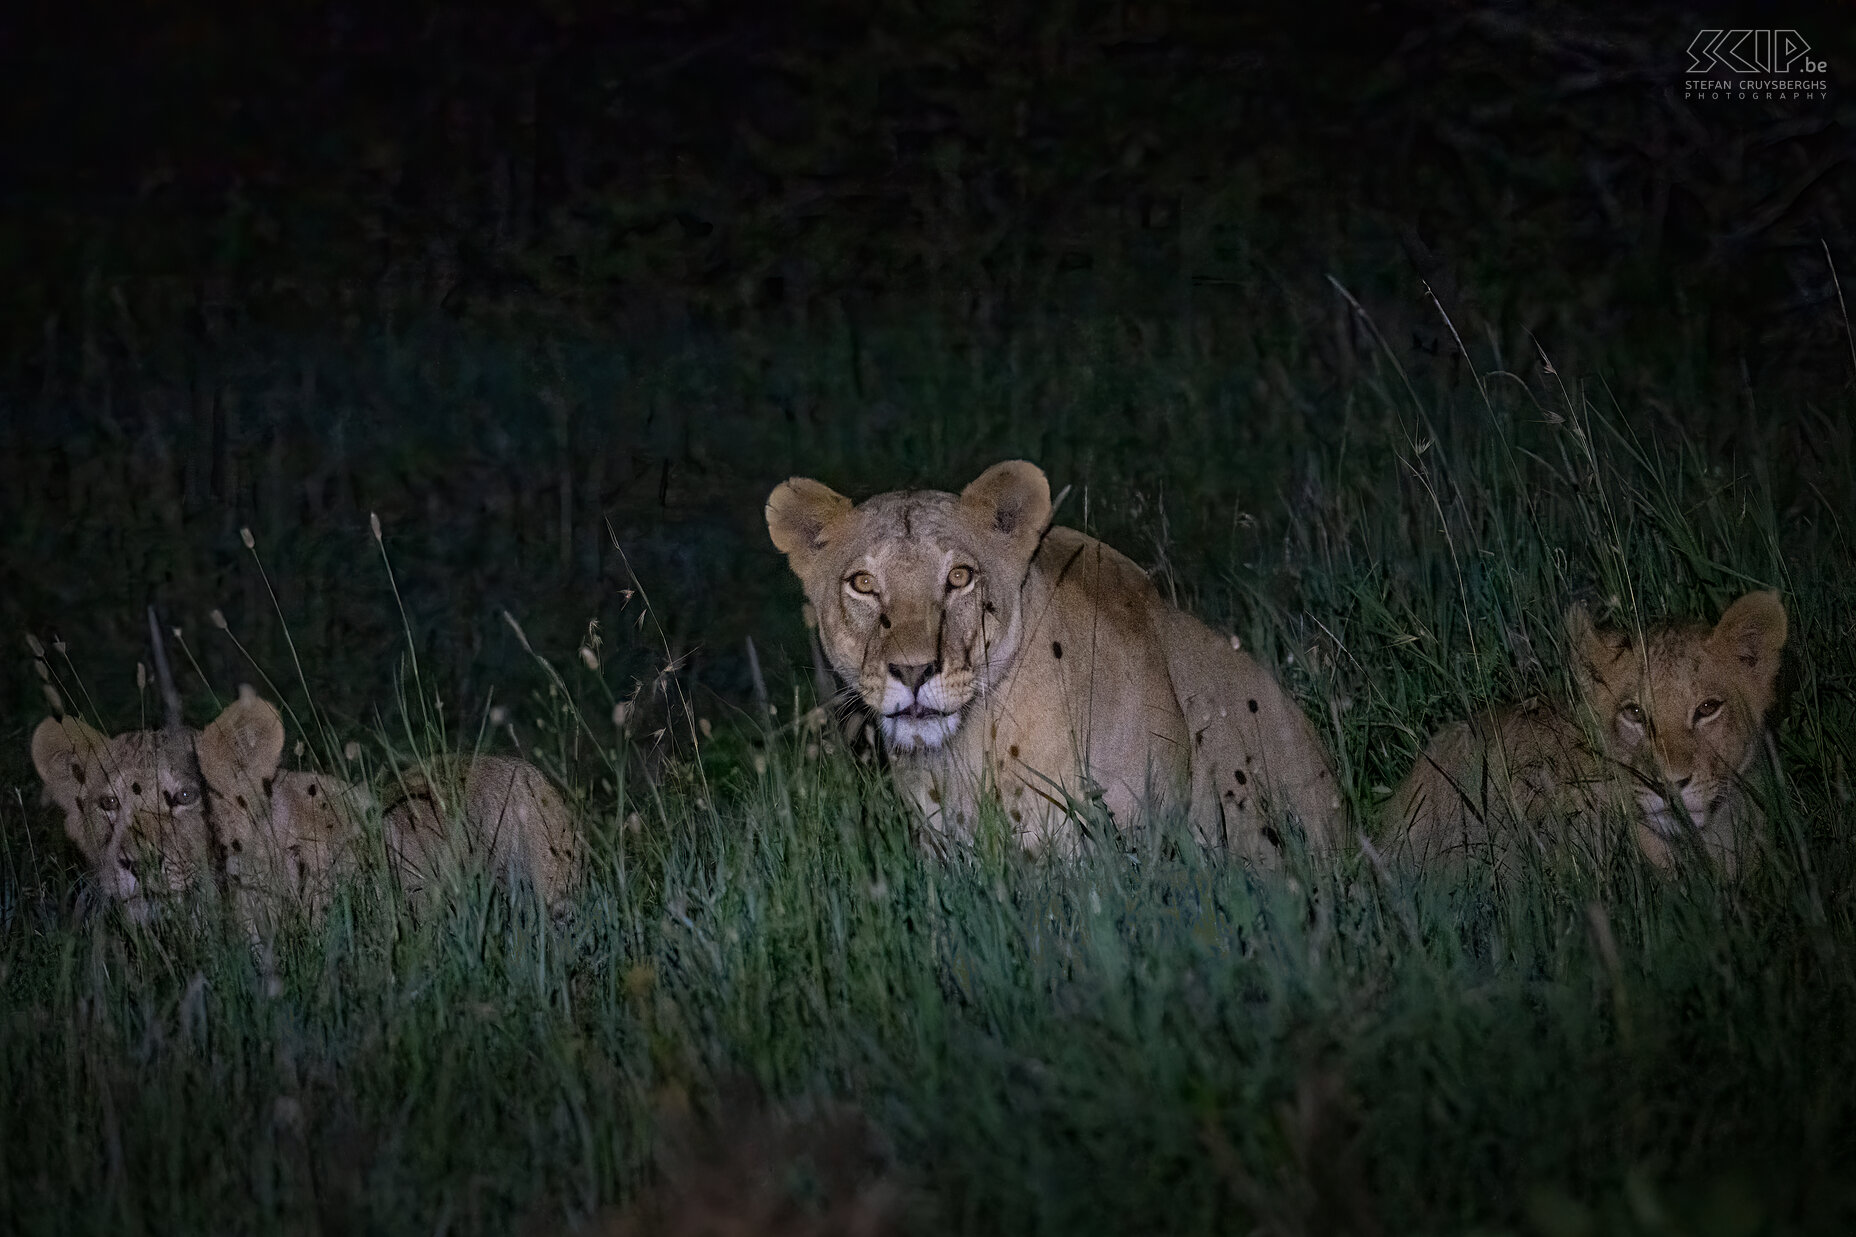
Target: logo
{"points": [[1752, 51], [1754, 64]]}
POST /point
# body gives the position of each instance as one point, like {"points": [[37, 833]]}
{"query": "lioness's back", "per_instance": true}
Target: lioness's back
{"points": [[1255, 754]]}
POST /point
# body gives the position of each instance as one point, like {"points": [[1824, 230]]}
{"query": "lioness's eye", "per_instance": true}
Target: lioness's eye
{"points": [[108, 803], [185, 795], [1707, 709], [1632, 714], [863, 582], [960, 577]]}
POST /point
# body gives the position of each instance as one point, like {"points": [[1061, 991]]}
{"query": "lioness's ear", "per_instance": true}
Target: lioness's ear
{"points": [[243, 745], [1012, 498], [60, 749], [800, 515], [1752, 632]]}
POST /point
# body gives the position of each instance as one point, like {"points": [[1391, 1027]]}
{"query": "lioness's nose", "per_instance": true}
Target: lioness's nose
{"points": [[912, 676]]}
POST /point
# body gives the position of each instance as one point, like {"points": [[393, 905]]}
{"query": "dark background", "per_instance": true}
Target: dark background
{"points": [[527, 280]]}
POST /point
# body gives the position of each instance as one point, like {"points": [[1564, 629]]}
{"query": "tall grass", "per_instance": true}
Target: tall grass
{"points": [[1149, 1039]]}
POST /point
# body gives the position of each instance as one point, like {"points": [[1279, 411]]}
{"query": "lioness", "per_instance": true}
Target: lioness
{"points": [[1665, 730], [1003, 657], [290, 834]]}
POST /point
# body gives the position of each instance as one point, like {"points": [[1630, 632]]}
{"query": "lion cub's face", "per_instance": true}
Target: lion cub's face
{"points": [[134, 806], [1684, 711], [917, 592]]}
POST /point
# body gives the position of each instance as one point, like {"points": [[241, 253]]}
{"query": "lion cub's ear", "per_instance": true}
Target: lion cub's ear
{"points": [[800, 515], [1752, 632], [1012, 499], [60, 750], [1580, 634], [243, 745], [1595, 651]]}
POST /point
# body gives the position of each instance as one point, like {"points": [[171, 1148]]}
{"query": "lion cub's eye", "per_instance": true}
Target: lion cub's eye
{"points": [[185, 795], [108, 803], [960, 577], [1706, 709], [1632, 714], [862, 582]]}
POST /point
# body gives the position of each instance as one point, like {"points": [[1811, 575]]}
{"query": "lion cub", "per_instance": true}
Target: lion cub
{"points": [[1669, 727], [289, 835], [1035, 667]]}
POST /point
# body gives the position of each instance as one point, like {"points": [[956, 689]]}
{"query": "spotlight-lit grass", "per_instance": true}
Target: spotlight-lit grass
{"points": [[1148, 1040]]}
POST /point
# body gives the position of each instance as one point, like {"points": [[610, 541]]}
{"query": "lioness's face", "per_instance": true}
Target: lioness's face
{"points": [[1684, 710], [917, 592], [134, 806]]}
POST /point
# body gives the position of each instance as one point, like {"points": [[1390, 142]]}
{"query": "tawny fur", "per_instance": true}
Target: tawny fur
{"points": [[514, 822], [1042, 669], [296, 832], [1662, 736], [286, 837], [134, 805], [159, 814]]}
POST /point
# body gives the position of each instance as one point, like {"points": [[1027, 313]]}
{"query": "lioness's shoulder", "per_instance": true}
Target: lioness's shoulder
{"points": [[1080, 569]]}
